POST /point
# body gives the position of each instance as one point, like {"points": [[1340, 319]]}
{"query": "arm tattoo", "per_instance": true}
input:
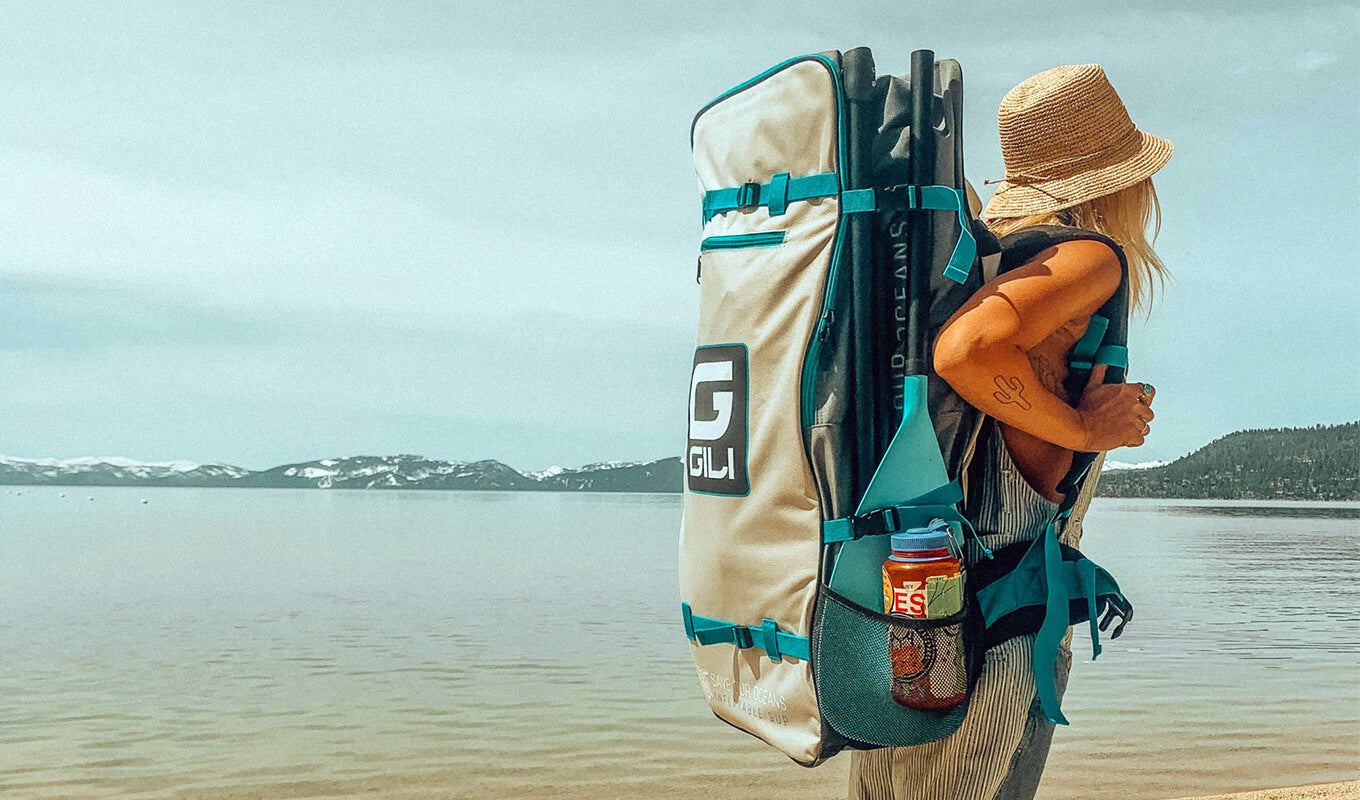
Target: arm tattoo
{"points": [[1011, 390]]}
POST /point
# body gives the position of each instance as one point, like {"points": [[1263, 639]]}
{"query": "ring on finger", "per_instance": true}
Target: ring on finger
{"points": [[1146, 429], [1147, 391]]}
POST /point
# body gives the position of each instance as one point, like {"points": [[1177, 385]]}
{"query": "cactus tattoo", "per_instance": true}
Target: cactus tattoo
{"points": [[1011, 390]]}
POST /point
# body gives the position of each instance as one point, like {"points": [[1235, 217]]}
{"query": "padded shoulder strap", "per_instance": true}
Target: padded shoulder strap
{"points": [[1019, 247], [1112, 348]]}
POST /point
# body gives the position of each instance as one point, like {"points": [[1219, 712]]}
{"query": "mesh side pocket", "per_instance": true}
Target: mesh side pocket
{"points": [[854, 675]]}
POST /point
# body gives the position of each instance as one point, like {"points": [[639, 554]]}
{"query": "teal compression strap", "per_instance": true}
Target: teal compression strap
{"points": [[887, 520], [857, 201], [775, 195], [1112, 354], [767, 637], [932, 198], [1084, 351]]}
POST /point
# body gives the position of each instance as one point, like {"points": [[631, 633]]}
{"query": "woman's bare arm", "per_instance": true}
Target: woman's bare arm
{"points": [[983, 351]]}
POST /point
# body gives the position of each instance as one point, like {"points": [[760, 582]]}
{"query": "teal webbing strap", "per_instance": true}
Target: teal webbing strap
{"points": [[1113, 355], [775, 195], [856, 201], [838, 530], [767, 637], [944, 198], [1084, 351], [782, 190], [1050, 635], [932, 198], [941, 501]]}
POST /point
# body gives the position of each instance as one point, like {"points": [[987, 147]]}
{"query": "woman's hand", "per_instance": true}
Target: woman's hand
{"points": [[1114, 414]]}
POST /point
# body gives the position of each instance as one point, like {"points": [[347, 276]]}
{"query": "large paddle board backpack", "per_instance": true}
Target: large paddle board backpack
{"points": [[838, 237]]}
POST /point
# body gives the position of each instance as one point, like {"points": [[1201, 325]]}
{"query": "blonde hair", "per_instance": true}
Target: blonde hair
{"points": [[1125, 217]]}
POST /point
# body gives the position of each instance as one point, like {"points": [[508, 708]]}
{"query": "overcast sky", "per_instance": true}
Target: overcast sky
{"points": [[276, 232]]}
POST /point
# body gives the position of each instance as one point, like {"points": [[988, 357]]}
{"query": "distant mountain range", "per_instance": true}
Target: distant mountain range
{"points": [[358, 472], [1318, 463]]}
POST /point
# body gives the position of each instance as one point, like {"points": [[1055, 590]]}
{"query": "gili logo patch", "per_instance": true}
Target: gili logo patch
{"points": [[715, 461]]}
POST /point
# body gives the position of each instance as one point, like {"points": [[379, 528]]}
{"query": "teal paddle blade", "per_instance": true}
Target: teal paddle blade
{"points": [[911, 467]]}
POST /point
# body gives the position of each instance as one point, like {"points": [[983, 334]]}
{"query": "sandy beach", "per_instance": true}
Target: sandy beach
{"points": [[432, 786], [1346, 790]]}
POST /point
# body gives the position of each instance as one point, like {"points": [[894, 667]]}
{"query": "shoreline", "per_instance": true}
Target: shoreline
{"points": [[1345, 790]]}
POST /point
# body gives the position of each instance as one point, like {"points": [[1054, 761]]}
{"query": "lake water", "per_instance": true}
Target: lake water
{"points": [[221, 643]]}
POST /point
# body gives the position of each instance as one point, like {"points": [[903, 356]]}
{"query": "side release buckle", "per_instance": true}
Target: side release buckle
{"points": [[748, 196]]}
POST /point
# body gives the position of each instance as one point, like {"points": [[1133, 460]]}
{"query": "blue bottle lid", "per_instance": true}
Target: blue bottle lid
{"points": [[914, 540]]}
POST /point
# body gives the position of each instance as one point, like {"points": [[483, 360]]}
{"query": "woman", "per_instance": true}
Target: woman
{"points": [[1073, 158]]}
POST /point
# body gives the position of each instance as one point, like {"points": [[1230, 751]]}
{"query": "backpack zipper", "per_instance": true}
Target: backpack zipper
{"points": [[742, 241]]}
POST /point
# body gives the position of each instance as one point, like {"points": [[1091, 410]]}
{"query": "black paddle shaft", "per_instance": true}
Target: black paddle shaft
{"points": [[921, 223], [858, 68]]}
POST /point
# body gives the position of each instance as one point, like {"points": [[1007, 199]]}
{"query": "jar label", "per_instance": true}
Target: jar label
{"points": [[944, 595], [908, 599], [938, 596]]}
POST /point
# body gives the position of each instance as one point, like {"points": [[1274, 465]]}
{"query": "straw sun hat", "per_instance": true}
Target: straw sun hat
{"points": [[1067, 138]]}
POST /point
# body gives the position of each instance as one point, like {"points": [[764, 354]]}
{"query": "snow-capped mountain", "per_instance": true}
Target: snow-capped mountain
{"points": [[113, 471], [357, 472], [393, 472], [666, 475], [1115, 466]]}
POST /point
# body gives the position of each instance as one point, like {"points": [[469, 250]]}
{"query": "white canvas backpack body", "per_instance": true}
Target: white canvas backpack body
{"points": [[838, 237]]}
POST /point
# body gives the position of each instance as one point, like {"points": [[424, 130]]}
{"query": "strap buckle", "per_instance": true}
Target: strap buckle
{"points": [[1117, 608], [741, 636], [877, 523], [901, 197], [748, 196]]}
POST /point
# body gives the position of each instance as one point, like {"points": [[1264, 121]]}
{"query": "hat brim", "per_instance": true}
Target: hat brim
{"points": [[1042, 197]]}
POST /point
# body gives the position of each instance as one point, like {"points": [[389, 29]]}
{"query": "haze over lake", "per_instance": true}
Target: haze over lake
{"points": [[272, 643]]}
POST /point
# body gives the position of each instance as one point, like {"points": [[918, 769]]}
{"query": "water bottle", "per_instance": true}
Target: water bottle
{"points": [[923, 580]]}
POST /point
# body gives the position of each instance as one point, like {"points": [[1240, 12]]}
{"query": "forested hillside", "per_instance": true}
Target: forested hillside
{"points": [[1317, 463]]}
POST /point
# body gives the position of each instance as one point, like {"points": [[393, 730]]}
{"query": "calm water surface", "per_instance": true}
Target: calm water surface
{"points": [[228, 643]]}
